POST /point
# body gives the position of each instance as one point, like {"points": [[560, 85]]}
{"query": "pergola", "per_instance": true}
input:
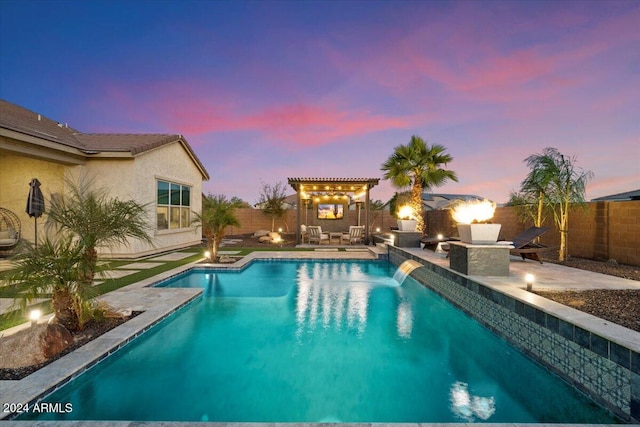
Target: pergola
{"points": [[316, 189]]}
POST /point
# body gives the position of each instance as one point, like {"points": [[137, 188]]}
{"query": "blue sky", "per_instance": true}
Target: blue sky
{"points": [[265, 90]]}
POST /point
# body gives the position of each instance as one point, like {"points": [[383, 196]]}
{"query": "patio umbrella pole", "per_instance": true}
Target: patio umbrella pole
{"points": [[35, 205]]}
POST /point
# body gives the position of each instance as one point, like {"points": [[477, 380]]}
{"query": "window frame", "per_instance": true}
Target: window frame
{"points": [[175, 214]]}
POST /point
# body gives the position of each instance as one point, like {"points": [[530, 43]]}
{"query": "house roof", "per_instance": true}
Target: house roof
{"points": [[26, 122], [628, 195]]}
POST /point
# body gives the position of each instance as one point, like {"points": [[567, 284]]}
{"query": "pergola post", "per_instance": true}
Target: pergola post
{"points": [[298, 217], [367, 225]]}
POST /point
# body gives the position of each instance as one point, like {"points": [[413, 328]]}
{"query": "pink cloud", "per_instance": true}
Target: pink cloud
{"points": [[480, 64], [309, 125], [184, 110]]}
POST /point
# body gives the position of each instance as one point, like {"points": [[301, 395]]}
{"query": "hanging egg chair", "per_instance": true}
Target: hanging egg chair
{"points": [[9, 230]]}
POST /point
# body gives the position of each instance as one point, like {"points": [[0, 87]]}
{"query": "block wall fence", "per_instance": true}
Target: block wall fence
{"points": [[604, 230], [252, 220]]}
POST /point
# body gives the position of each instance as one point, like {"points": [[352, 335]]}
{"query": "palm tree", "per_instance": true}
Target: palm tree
{"points": [[418, 166], [53, 268], [95, 220], [217, 214], [560, 184]]}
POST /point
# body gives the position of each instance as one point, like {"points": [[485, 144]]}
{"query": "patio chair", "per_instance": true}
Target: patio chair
{"points": [[303, 232], [354, 235], [525, 246], [315, 234]]}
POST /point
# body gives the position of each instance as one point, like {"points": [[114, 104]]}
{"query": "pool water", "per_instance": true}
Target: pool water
{"points": [[286, 341]]}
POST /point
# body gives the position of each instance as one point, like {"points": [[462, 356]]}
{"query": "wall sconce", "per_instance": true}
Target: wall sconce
{"points": [[377, 229], [34, 316], [528, 278], [280, 230]]}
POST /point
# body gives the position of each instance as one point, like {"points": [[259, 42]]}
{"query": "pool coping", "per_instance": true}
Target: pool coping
{"points": [[291, 424], [158, 304]]}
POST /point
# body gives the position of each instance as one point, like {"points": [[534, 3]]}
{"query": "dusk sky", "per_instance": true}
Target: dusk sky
{"points": [[265, 90]]}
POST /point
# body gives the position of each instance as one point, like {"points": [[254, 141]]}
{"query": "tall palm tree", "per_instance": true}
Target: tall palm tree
{"points": [[560, 184], [95, 220], [51, 268], [418, 166], [217, 214]]}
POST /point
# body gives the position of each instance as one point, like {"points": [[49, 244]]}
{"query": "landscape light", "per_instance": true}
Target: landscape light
{"points": [[207, 255], [528, 278], [440, 237], [34, 316], [377, 229]]}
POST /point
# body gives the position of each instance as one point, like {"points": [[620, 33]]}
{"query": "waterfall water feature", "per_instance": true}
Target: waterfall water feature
{"points": [[404, 270]]}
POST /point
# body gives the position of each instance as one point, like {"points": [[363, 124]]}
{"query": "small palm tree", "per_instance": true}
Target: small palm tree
{"points": [[95, 220], [418, 166], [560, 184], [52, 268], [217, 214]]}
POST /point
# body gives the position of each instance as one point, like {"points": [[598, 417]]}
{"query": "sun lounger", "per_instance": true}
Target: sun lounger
{"points": [[525, 246]]}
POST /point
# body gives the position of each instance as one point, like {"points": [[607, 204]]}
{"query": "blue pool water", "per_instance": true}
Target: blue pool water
{"points": [[320, 341]]}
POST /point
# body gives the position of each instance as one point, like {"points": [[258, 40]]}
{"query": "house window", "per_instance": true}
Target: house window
{"points": [[173, 206]]}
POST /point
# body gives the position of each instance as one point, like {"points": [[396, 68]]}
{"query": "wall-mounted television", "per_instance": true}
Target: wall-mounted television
{"points": [[330, 211]]}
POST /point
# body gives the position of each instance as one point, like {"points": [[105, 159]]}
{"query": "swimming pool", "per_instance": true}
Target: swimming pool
{"points": [[308, 341]]}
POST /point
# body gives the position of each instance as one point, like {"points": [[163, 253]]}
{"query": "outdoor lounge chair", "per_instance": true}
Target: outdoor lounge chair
{"points": [[525, 246], [315, 234], [354, 235]]}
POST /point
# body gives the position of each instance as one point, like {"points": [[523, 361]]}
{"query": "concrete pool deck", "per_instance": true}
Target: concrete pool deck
{"points": [[157, 303]]}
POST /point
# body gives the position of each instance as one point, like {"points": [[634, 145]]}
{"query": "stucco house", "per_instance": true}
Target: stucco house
{"points": [[159, 170]]}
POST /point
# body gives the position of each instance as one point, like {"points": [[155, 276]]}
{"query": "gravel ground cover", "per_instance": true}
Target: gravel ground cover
{"points": [[621, 306]]}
